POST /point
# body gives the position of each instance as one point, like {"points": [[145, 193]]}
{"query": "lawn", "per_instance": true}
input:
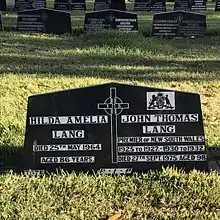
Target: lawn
{"points": [[34, 63]]}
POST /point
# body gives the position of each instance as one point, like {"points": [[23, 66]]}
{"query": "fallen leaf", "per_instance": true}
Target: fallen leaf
{"points": [[116, 217]]}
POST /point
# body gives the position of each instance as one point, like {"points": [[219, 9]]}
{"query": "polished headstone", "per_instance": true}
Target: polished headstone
{"points": [[152, 5], [1, 24], [109, 4], [213, 154], [101, 5], [3, 6], [115, 128], [198, 5], [184, 5], [44, 21], [142, 5], [179, 24], [68, 5], [158, 5], [62, 5], [21, 5], [96, 22], [217, 5]]}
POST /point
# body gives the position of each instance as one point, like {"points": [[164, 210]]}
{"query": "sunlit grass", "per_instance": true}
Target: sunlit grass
{"points": [[44, 63], [169, 194]]}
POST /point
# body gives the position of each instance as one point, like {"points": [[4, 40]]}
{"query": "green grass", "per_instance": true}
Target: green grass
{"points": [[34, 63], [42, 63], [158, 195]]}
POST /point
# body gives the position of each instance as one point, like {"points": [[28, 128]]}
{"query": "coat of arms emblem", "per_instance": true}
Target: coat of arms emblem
{"points": [[160, 101]]}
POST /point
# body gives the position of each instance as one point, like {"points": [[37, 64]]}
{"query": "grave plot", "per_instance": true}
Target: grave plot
{"points": [[217, 5], [21, 5], [44, 21], [109, 4], [152, 5], [67, 5], [1, 23], [96, 22], [115, 128], [158, 5], [142, 5], [182, 5], [198, 5], [179, 24], [3, 6]]}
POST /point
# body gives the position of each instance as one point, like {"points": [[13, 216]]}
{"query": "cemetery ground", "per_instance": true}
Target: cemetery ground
{"points": [[34, 63]]}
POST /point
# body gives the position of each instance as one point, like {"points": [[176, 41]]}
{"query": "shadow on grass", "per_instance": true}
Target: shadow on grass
{"points": [[107, 37], [11, 157], [113, 67], [19, 40], [31, 54]]}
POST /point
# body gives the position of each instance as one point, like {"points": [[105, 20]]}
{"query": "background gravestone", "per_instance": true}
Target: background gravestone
{"points": [[152, 5], [1, 23], [44, 21], [184, 5], [217, 5], [101, 5], [109, 4], [3, 5], [39, 4], [142, 5], [179, 24], [99, 21], [21, 5], [68, 5], [198, 5], [158, 5], [61, 5], [115, 128]]}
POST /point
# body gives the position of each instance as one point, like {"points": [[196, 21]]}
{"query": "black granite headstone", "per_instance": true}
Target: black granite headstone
{"points": [[44, 21], [158, 5], [217, 5], [63, 5], [115, 128], [109, 4], [21, 5], [152, 5], [184, 5], [198, 5], [1, 25], [68, 5], [99, 21], [142, 5], [3, 5], [179, 24], [101, 5]]}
